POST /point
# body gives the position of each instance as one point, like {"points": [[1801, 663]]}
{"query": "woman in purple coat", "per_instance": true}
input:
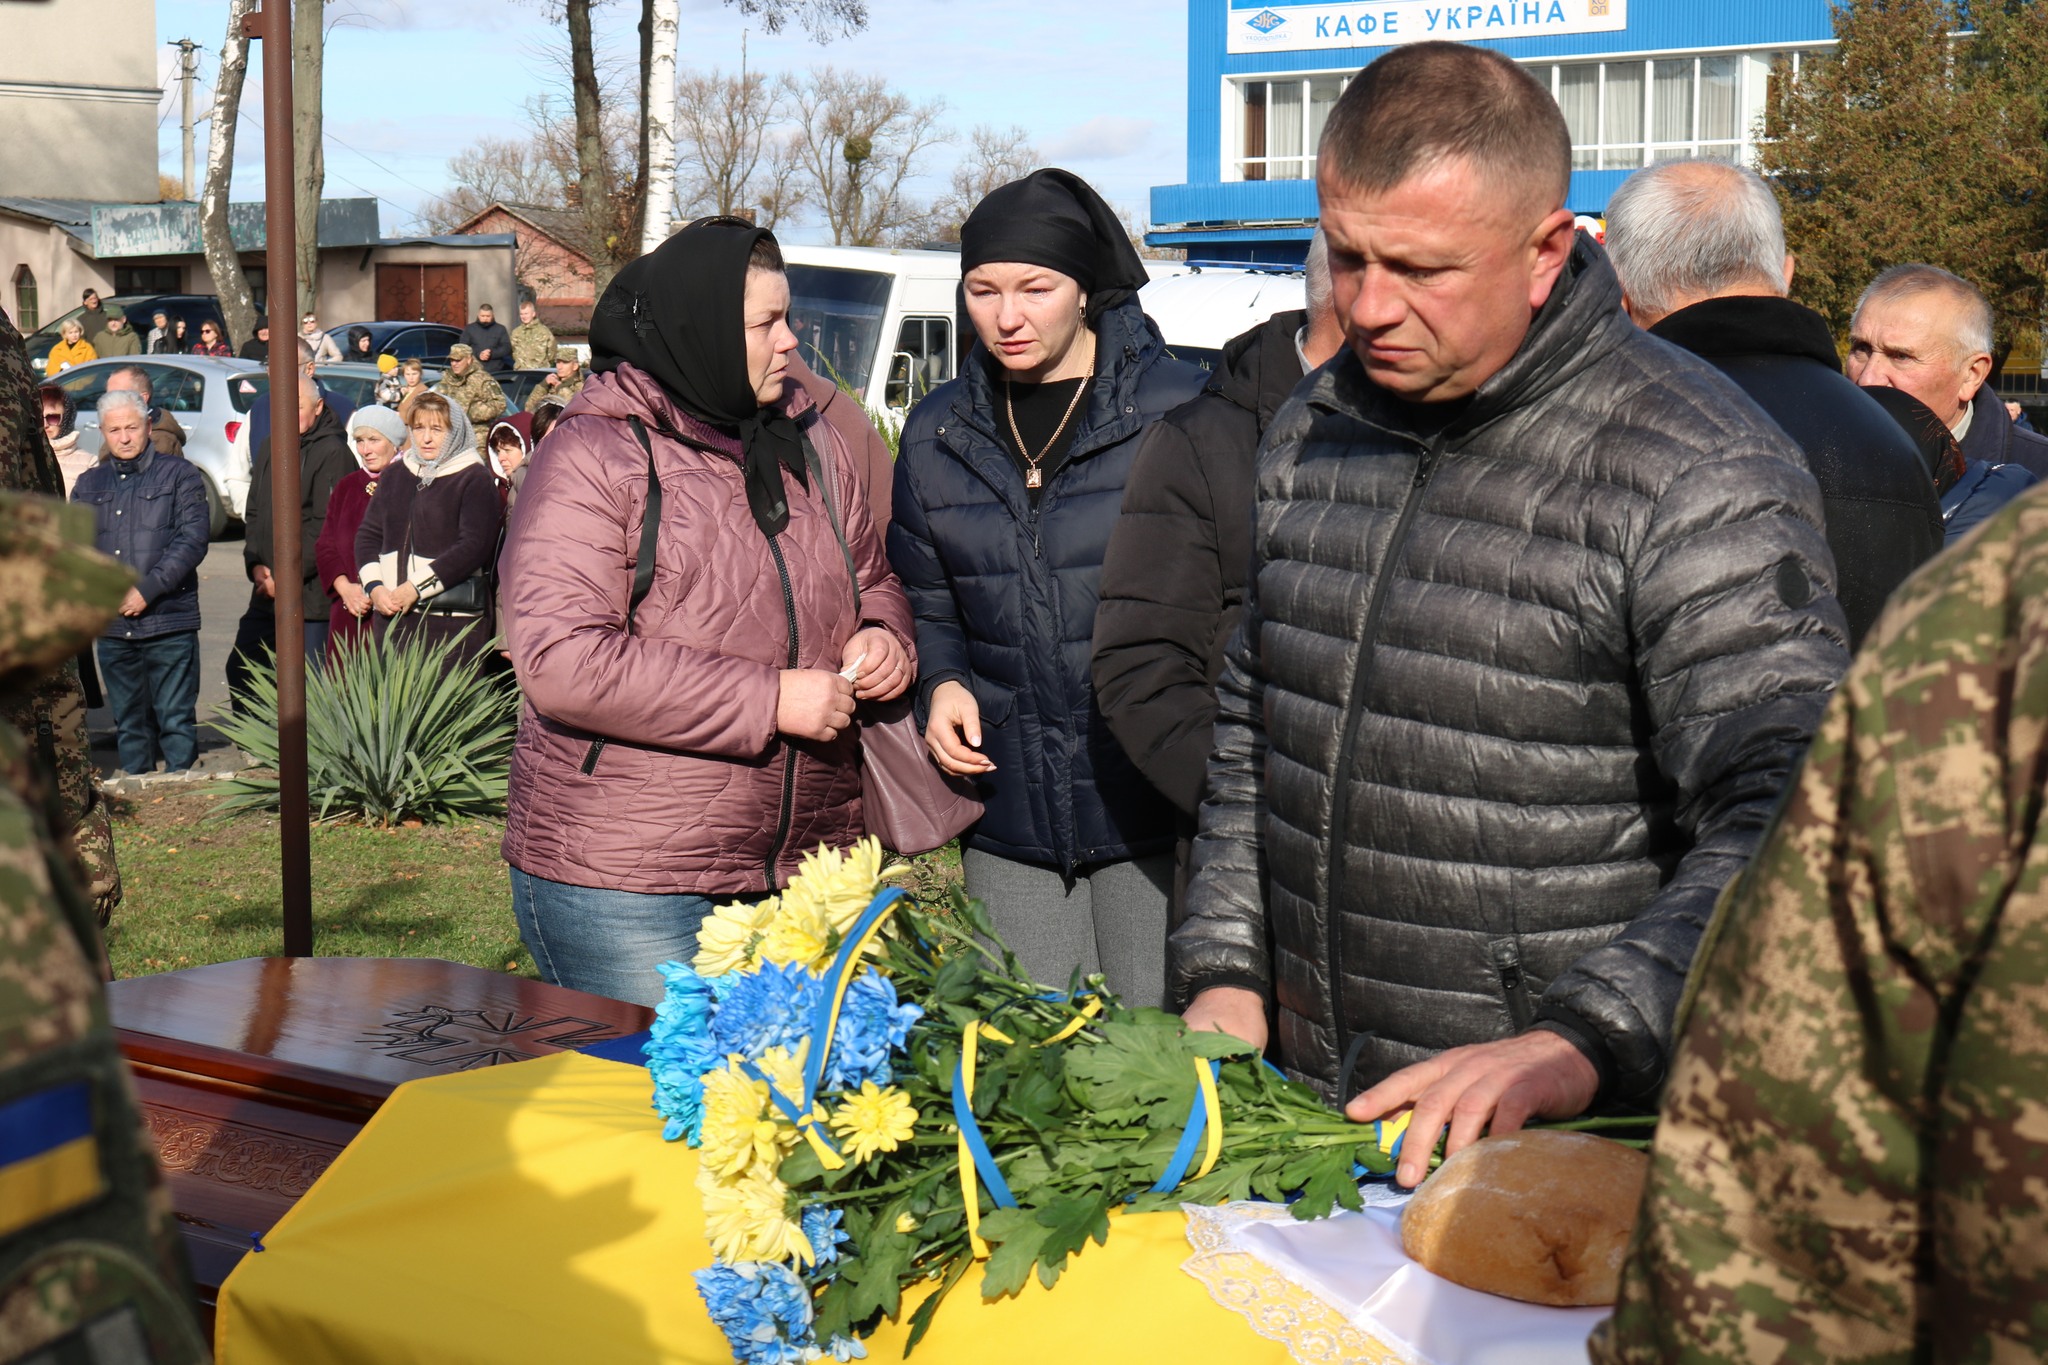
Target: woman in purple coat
{"points": [[426, 545]]}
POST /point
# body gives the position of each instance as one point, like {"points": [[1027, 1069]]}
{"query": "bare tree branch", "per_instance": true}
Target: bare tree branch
{"points": [[858, 142]]}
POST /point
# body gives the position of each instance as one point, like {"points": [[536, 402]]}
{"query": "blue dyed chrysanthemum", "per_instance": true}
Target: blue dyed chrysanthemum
{"points": [[846, 1348], [872, 1025], [763, 1309], [679, 1051], [822, 1231], [771, 1007]]}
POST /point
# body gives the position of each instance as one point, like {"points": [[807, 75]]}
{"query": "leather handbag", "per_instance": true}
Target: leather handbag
{"points": [[470, 597], [908, 803]]}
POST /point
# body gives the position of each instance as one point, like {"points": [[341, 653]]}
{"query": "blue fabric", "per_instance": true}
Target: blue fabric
{"points": [[607, 942], [1005, 597], [45, 1121], [1983, 489], [150, 513], [153, 686], [630, 1049]]}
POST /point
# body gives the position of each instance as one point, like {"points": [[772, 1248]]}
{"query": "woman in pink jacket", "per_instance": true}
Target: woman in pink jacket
{"points": [[686, 747]]}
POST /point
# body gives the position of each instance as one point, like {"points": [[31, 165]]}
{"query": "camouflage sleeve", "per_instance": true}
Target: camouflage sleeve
{"points": [[27, 464], [1849, 1152]]}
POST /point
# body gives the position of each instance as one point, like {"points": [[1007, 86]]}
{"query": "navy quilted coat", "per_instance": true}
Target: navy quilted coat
{"points": [[1005, 597]]}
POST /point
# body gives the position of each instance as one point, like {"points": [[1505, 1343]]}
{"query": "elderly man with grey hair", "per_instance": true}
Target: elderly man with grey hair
{"points": [[150, 513], [165, 433], [1920, 329], [1173, 578], [1700, 251]]}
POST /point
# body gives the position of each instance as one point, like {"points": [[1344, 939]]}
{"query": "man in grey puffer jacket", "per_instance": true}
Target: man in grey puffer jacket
{"points": [[1541, 619]]}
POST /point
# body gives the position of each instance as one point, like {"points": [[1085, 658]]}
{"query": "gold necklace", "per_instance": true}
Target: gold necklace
{"points": [[1034, 477]]}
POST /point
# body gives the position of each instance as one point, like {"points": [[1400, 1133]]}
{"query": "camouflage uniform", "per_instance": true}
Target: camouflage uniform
{"points": [[563, 390], [479, 394], [52, 715], [1851, 1155], [533, 346], [91, 1264]]}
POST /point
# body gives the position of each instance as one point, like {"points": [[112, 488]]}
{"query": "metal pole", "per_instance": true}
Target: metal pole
{"points": [[187, 69], [274, 25]]}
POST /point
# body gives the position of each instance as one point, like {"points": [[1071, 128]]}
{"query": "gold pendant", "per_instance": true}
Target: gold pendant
{"points": [[1034, 477]]}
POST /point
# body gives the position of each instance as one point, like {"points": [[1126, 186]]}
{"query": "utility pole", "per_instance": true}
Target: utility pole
{"points": [[188, 68], [273, 26]]}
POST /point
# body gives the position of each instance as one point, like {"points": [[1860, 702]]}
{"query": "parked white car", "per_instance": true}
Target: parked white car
{"points": [[877, 321], [1201, 307], [210, 398]]}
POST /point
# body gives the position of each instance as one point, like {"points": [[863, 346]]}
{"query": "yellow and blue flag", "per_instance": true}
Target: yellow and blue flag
{"points": [[49, 1160]]}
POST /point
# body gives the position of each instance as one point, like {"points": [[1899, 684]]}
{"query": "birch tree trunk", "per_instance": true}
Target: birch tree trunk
{"points": [[308, 44], [658, 205], [223, 262]]}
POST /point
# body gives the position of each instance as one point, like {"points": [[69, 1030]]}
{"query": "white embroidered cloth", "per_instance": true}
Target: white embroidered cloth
{"points": [[1340, 1291]]}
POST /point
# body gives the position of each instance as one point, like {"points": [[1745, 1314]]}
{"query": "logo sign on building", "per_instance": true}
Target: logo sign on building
{"points": [[1284, 27]]}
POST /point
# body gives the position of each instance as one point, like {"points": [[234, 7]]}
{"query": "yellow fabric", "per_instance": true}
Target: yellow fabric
{"points": [[532, 1213], [48, 1183]]}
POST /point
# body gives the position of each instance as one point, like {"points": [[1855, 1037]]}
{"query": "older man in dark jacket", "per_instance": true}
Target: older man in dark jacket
{"points": [[1173, 576], [324, 460], [1699, 248], [1541, 618], [150, 513]]}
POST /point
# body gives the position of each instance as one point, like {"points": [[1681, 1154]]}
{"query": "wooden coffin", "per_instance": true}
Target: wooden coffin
{"points": [[255, 1074]]}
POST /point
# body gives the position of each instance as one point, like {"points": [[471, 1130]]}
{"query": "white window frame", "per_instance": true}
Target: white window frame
{"points": [[1234, 160]]}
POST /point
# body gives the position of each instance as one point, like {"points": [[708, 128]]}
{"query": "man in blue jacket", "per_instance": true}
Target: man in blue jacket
{"points": [[150, 512]]}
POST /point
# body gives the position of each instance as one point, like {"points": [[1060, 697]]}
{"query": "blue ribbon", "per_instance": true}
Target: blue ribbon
{"points": [[1190, 1138], [825, 1018], [984, 1160]]}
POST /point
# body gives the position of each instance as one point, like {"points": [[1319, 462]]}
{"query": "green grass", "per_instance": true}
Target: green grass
{"points": [[201, 889], [198, 889]]}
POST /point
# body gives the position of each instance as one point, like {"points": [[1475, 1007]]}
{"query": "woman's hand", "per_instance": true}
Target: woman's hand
{"points": [[353, 599], [392, 601], [953, 732], [813, 705], [879, 663]]}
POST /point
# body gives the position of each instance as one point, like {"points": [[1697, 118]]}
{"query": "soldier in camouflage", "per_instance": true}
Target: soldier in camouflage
{"points": [[533, 345], [52, 714], [467, 383], [562, 385], [91, 1264], [1851, 1156]]}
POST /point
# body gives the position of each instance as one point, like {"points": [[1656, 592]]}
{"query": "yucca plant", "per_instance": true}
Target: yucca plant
{"points": [[394, 731]]}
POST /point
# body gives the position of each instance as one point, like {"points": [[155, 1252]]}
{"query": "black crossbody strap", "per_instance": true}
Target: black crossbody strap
{"points": [[815, 464], [650, 527], [643, 565]]}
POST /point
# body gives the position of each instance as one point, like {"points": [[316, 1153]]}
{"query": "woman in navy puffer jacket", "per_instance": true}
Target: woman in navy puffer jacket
{"points": [[1008, 484]]}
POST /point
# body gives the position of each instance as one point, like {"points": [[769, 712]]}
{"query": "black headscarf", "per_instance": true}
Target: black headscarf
{"points": [[1929, 434], [1054, 218], [678, 315]]}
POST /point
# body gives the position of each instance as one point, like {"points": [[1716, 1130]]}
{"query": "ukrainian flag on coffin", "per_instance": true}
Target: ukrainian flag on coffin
{"points": [[49, 1161]]}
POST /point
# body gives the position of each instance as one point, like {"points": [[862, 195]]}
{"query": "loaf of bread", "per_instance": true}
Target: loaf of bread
{"points": [[1543, 1217]]}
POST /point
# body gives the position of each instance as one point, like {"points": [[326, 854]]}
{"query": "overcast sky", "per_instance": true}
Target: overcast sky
{"points": [[1100, 85]]}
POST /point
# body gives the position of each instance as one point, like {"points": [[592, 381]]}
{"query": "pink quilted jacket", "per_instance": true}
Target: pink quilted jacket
{"points": [[691, 791]]}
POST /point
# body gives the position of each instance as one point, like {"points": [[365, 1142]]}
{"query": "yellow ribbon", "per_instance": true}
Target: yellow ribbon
{"points": [[1387, 1132], [1078, 1022], [970, 1185], [1214, 1107]]}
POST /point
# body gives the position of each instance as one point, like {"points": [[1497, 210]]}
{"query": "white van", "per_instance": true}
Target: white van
{"points": [[878, 321], [1201, 307]]}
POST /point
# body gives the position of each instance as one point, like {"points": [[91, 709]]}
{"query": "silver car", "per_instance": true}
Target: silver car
{"points": [[209, 396]]}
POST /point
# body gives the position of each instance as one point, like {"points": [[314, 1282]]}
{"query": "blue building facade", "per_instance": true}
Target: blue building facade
{"points": [[1639, 81]]}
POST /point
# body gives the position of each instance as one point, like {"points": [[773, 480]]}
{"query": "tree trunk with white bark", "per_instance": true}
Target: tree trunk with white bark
{"points": [[658, 207], [223, 262]]}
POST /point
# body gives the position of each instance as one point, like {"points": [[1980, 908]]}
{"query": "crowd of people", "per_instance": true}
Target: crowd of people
{"points": [[1402, 697]]}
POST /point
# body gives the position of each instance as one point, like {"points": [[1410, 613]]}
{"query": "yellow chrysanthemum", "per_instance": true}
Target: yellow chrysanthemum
{"points": [[875, 1120], [748, 1220], [729, 939], [842, 883], [740, 1130], [799, 933]]}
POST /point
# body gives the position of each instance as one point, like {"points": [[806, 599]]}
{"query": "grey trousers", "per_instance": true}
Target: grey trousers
{"points": [[1112, 920]]}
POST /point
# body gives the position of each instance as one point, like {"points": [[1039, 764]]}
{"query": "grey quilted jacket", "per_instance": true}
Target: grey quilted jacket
{"points": [[1598, 630]]}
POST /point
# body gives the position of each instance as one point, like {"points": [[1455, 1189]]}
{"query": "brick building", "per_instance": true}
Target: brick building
{"points": [[551, 269]]}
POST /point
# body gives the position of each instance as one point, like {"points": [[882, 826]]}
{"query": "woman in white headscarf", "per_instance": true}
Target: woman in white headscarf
{"points": [[426, 545], [376, 435]]}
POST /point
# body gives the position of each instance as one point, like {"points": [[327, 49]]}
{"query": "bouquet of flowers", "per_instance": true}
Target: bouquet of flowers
{"points": [[880, 1098]]}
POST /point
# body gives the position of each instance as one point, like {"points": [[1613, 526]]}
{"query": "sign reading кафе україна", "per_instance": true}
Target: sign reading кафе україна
{"points": [[1284, 27]]}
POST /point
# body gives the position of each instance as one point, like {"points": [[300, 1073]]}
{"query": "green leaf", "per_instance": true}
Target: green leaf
{"points": [[1136, 1072], [1016, 1238], [1329, 1185], [1071, 1221], [921, 1320]]}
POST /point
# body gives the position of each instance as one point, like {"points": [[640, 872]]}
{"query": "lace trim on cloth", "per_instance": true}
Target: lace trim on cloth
{"points": [[1276, 1307]]}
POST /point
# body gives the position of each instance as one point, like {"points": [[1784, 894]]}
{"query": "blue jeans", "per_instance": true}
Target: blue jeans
{"points": [[153, 686], [608, 942]]}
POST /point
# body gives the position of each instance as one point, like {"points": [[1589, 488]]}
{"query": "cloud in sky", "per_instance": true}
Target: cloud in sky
{"points": [[1106, 137], [411, 82]]}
